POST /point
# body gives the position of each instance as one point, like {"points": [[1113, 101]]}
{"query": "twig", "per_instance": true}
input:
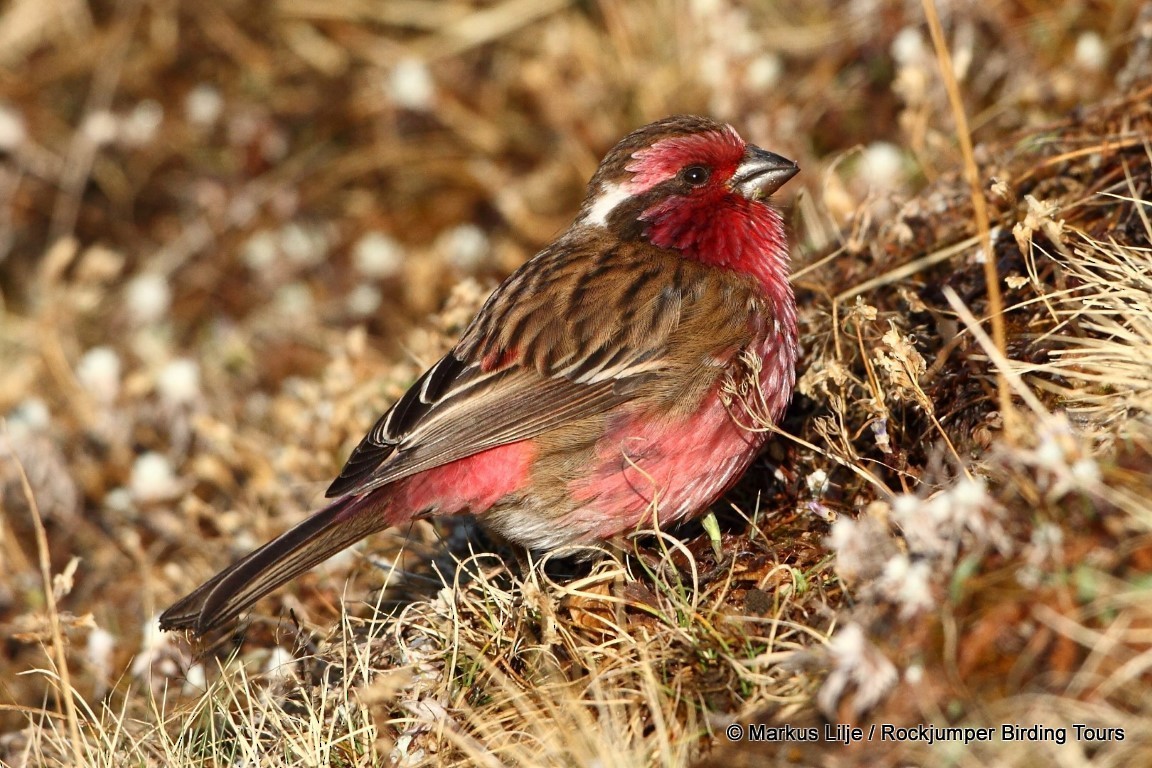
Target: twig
{"points": [[53, 617], [979, 205], [83, 150]]}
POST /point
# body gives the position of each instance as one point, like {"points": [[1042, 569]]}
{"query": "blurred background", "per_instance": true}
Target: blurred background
{"points": [[231, 233]]}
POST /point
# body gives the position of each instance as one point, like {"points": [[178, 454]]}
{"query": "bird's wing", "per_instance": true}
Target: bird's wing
{"points": [[578, 330]]}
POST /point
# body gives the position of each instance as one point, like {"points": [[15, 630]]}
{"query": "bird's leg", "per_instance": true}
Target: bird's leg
{"points": [[522, 570]]}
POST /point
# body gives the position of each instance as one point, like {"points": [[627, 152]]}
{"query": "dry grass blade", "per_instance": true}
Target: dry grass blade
{"points": [[979, 206], [60, 674]]}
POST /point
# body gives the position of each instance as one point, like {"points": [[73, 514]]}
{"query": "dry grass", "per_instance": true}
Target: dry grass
{"points": [[232, 234]]}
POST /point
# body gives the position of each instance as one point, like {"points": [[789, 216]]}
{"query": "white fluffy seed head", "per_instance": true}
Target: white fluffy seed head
{"points": [[30, 416], [140, 126], [179, 382], [99, 374], [968, 495], [203, 105], [302, 245], [100, 127], [294, 300], [364, 300], [195, 680], [1091, 53], [1086, 471], [376, 255], [464, 246], [410, 85], [913, 587], [98, 651], [281, 664], [1050, 454], [817, 482], [881, 165], [905, 505], [763, 72], [12, 130], [148, 297], [152, 478], [908, 47], [845, 532], [260, 250]]}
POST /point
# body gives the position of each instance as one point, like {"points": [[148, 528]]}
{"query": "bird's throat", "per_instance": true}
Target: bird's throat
{"points": [[732, 232]]}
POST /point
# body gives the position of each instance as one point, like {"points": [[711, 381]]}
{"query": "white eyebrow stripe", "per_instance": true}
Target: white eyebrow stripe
{"points": [[610, 196]]}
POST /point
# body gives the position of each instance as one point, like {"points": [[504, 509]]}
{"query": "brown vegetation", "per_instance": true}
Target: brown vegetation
{"points": [[232, 233]]}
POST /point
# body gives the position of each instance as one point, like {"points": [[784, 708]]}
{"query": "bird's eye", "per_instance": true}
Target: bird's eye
{"points": [[695, 175]]}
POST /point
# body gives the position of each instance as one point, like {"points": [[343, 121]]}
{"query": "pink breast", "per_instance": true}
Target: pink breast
{"points": [[675, 468], [670, 469]]}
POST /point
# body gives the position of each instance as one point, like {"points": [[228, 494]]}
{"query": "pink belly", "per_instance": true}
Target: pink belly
{"points": [[674, 469], [664, 470]]}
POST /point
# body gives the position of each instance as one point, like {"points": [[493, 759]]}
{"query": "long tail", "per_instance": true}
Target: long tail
{"points": [[221, 599]]}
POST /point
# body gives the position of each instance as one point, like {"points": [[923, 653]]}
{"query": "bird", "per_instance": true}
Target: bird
{"points": [[613, 383]]}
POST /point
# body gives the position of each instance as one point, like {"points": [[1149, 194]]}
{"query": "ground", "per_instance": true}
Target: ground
{"points": [[232, 234]]}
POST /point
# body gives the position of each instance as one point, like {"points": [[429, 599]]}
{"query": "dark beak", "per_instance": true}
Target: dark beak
{"points": [[761, 173]]}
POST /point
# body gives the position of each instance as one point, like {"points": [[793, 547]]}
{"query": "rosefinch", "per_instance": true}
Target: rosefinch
{"points": [[593, 392]]}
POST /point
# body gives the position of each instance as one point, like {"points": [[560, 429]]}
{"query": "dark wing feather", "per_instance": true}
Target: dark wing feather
{"points": [[576, 331], [511, 406], [225, 595], [406, 413]]}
